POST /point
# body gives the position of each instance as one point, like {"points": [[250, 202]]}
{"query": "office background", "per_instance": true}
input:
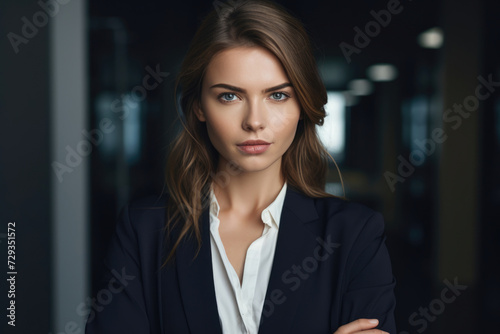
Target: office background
{"points": [[87, 111]]}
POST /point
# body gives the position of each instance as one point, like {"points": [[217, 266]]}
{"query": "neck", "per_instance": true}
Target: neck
{"points": [[247, 192]]}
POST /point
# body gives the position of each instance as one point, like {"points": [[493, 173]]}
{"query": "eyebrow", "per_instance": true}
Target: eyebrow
{"points": [[241, 90]]}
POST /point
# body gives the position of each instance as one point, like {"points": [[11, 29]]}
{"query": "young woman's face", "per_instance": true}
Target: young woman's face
{"points": [[246, 96]]}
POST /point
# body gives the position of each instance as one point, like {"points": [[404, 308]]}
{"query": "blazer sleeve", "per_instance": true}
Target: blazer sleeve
{"points": [[119, 306], [369, 291]]}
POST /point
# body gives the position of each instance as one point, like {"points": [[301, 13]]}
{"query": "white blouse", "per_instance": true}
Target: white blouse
{"points": [[240, 306]]}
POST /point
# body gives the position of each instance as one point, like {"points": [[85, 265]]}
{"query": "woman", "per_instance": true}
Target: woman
{"points": [[248, 241]]}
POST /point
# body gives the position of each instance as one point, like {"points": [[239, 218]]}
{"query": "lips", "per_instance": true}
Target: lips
{"points": [[253, 146], [254, 142]]}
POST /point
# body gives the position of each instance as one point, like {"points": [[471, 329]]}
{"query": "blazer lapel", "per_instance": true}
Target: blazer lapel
{"points": [[295, 243], [196, 282]]}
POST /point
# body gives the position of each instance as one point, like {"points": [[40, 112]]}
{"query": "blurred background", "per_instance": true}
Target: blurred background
{"points": [[87, 112]]}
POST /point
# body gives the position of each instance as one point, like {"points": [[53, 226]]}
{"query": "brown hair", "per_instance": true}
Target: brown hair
{"points": [[193, 160]]}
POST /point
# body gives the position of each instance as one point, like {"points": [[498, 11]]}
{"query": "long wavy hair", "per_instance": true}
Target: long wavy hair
{"points": [[192, 162]]}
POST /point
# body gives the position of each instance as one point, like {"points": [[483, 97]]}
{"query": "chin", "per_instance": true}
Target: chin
{"points": [[254, 165]]}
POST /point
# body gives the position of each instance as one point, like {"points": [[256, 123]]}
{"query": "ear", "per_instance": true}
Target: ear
{"points": [[199, 112]]}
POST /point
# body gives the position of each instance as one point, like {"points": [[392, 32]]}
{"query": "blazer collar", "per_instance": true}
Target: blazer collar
{"points": [[196, 276]]}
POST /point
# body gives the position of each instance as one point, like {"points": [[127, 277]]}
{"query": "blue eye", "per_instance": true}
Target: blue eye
{"points": [[280, 96], [228, 97]]}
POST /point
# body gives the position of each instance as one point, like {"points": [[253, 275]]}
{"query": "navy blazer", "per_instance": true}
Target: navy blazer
{"points": [[331, 266]]}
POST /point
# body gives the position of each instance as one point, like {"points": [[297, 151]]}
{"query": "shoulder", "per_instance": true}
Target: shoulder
{"points": [[151, 202], [358, 230], [347, 219], [145, 213], [350, 215], [351, 224], [335, 207], [334, 210]]}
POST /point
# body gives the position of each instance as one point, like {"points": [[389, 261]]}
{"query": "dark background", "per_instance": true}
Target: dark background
{"points": [[441, 221]]}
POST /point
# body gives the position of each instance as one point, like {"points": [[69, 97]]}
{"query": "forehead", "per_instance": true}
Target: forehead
{"points": [[245, 67]]}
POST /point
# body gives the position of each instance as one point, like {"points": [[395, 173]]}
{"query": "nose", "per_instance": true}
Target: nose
{"points": [[255, 116]]}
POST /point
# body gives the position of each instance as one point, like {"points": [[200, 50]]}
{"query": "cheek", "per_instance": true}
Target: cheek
{"points": [[214, 132], [285, 123], [220, 129]]}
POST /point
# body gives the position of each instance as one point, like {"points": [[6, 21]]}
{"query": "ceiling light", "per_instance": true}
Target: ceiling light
{"points": [[431, 39], [382, 72], [360, 87]]}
